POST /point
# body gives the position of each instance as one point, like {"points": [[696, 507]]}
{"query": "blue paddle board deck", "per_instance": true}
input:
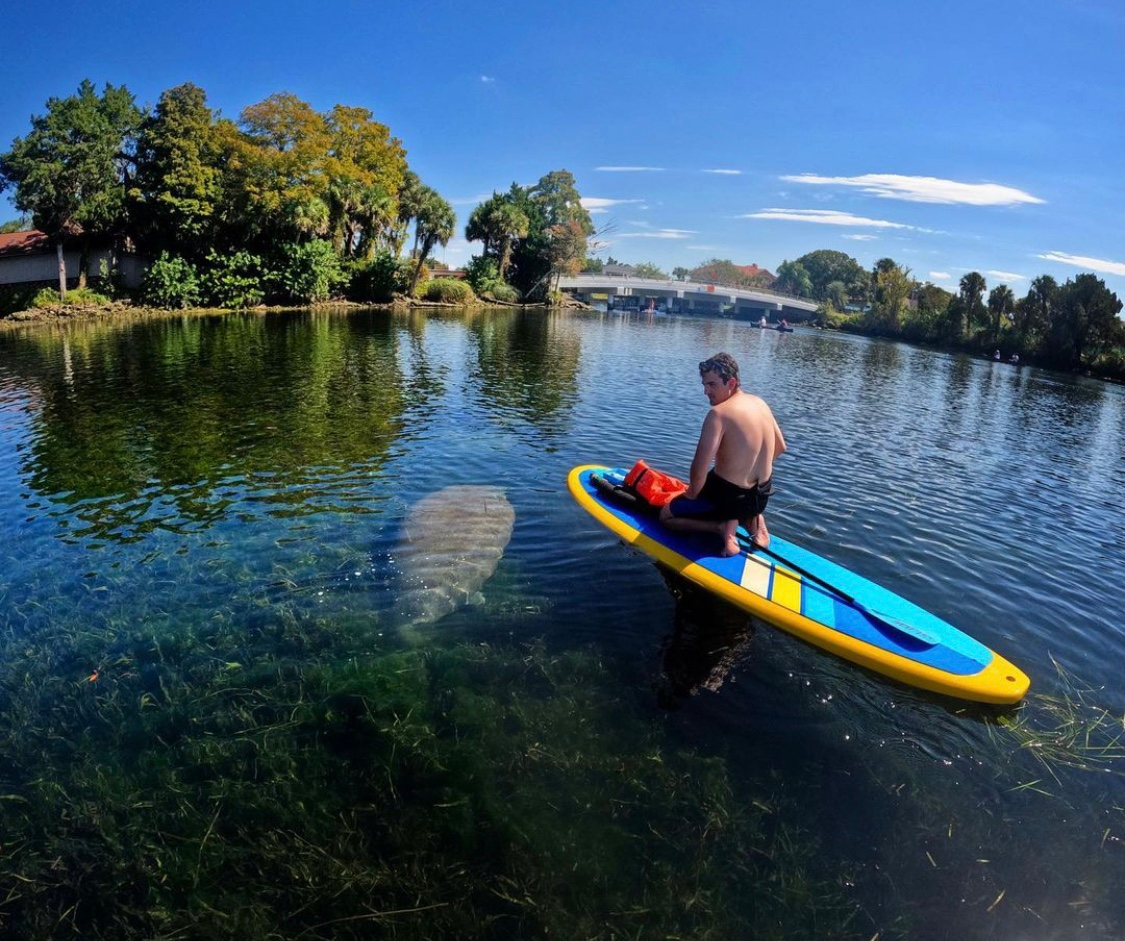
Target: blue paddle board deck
{"points": [[814, 599]]}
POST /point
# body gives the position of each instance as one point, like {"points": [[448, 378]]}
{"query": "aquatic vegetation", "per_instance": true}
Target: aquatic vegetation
{"points": [[285, 779], [1068, 729]]}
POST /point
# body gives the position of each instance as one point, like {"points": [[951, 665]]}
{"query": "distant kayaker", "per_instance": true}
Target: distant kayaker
{"points": [[741, 438]]}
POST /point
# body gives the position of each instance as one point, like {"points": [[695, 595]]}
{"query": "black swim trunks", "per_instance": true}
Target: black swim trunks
{"points": [[720, 500]]}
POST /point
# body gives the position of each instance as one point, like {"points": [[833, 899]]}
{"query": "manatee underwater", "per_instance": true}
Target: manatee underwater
{"points": [[451, 542]]}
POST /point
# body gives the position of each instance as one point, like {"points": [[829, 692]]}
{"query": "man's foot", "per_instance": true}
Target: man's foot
{"points": [[758, 531]]}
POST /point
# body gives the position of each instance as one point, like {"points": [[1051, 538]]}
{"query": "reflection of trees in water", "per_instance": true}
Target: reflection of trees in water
{"points": [[164, 409], [708, 639], [528, 367], [423, 379]]}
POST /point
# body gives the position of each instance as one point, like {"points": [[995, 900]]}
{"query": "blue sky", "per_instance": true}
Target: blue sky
{"points": [[950, 136]]}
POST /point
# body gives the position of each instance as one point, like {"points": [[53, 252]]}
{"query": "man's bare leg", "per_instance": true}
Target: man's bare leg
{"points": [[685, 524], [729, 531]]}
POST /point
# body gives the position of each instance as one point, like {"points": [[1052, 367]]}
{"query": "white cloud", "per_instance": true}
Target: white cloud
{"points": [[725, 172], [924, 189], [658, 234], [941, 276], [487, 79], [470, 200], [856, 237], [1081, 261], [630, 169], [824, 217], [1006, 276], [599, 204]]}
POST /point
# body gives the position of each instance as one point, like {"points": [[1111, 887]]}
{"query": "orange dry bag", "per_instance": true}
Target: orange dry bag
{"points": [[653, 486]]}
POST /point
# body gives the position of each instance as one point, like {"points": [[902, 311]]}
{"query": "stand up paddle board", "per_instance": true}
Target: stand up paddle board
{"points": [[812, 598]]}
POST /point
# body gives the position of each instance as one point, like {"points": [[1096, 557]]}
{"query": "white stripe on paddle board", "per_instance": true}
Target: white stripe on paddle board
{"points": [[756, 575]]}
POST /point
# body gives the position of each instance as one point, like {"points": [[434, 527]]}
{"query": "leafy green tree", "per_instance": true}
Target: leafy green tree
{"points": [[892, 288], [497, 223], [558, 233], [559, 202], [22, 224], [825, 266], [1035, 311], [1085, 323], [647, 269], [1001, 304], [178, 185], [364, 171], [435, 224], [793, 278], [932, 298], [836, 294], [720, 271], [680, 273], [276, 171], [566, 247], [927, 320], [593, 265], [72, 171]]}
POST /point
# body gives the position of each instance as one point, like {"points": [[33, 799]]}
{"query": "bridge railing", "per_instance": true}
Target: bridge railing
{"points": [[593, 281]]}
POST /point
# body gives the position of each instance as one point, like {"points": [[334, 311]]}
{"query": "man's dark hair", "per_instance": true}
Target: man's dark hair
{"points": [[722, 364]]}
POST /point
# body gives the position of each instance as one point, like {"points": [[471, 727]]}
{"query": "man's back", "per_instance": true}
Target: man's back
{"points": [[750, 440]]}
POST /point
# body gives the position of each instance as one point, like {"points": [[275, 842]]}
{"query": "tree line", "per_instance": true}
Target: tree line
{"points": [[286, 204], [1071, 326]]}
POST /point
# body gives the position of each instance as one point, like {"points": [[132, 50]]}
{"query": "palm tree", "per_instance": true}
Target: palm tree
{"points": [[434, 224], [972, 287], [497, 223], [1034, 312], [409, 200], [1001, 303], [793, 278]]}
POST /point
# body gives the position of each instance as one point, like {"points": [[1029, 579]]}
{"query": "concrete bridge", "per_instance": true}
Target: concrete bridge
{"points": [[687, 297]]}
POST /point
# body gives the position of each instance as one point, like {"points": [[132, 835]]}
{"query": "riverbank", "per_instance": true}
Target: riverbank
{"points": [[125, 310]]}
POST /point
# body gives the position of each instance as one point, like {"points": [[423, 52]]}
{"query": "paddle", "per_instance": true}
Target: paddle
{"points": [[918, 633]]}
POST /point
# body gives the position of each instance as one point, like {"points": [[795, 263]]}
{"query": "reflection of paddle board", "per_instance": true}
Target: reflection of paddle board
{"points": [[858, 621]]}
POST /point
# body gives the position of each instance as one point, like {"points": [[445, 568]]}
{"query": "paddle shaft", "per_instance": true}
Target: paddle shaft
{"points": [[838, 592], [893, 623]]}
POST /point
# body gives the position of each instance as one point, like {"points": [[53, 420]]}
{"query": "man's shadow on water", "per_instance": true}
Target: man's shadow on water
{"points": [[708, 638]]}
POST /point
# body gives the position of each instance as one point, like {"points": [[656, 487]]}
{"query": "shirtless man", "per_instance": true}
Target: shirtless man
{"points": [[741, 436]]}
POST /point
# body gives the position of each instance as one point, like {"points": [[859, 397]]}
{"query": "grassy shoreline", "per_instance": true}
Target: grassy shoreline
{"points": [[124, 311]]}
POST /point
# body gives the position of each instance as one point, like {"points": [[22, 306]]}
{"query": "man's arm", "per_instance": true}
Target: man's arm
{"points": [[780, 447], [705, 451]]}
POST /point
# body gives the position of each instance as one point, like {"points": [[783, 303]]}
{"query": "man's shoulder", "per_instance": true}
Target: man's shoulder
{"points": [[748, 400]]}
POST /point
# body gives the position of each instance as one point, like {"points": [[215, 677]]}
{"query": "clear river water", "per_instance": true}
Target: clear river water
{"points": [[213, 725]]}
